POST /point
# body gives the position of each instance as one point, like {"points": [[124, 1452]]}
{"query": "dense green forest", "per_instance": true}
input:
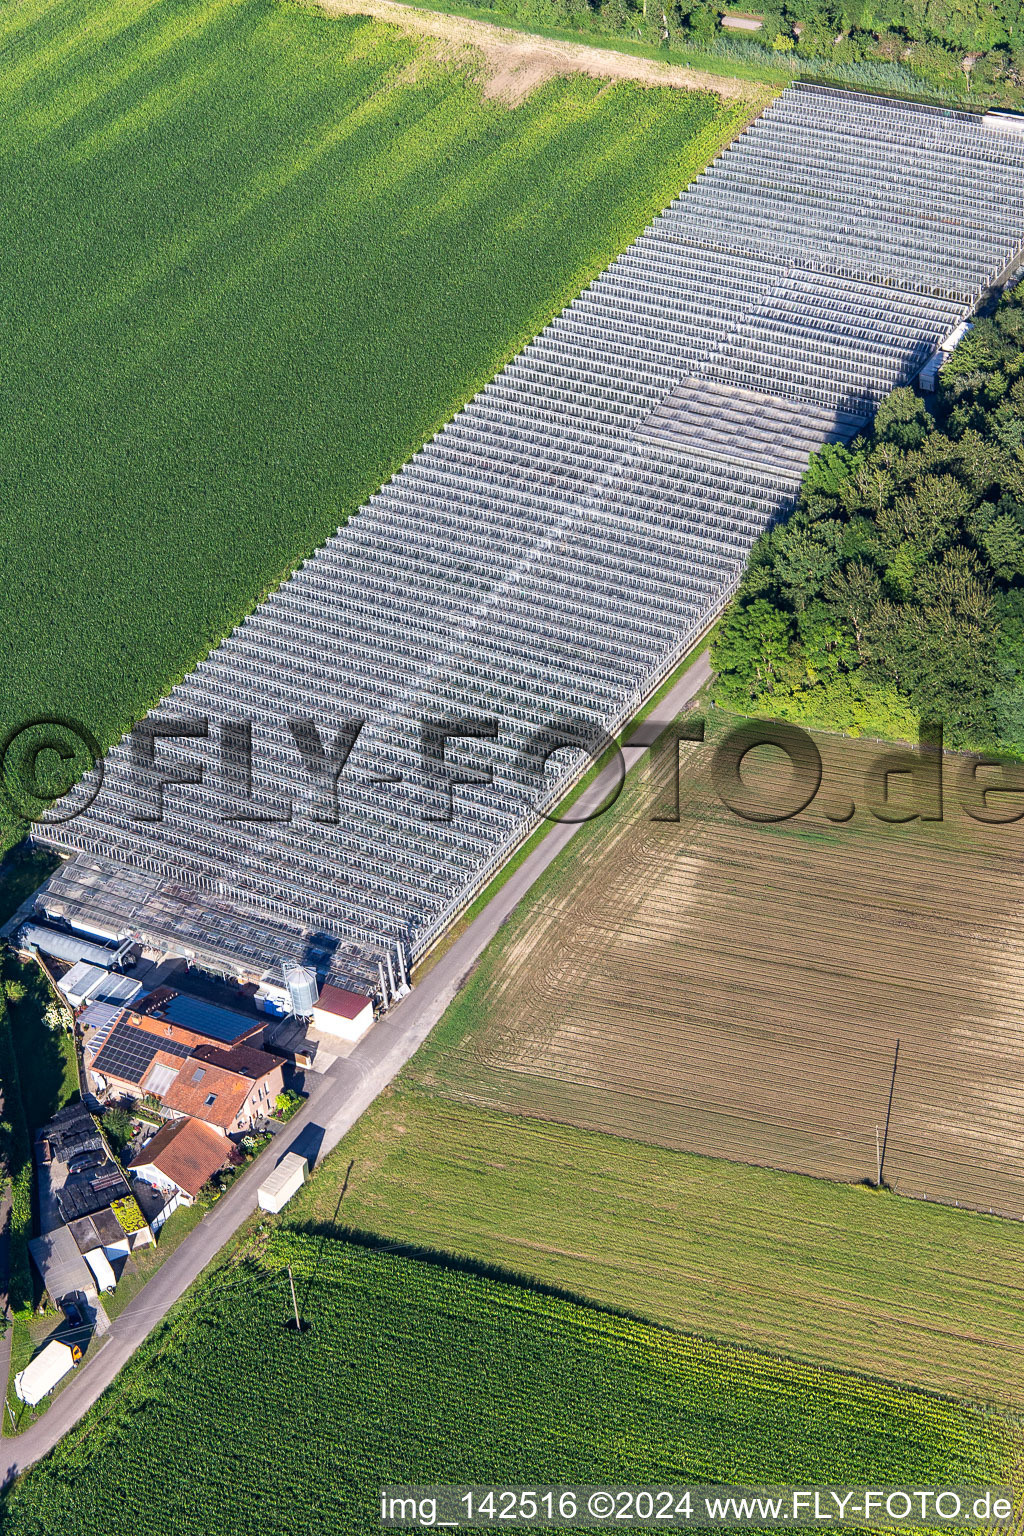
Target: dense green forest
{"points": [[947, 48], [895, 591]]}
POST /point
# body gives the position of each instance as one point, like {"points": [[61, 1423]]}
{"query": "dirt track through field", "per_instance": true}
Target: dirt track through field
{"points": [[737, 989], [515, 63]]}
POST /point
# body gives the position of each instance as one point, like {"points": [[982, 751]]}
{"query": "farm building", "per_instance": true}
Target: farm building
{"points": [[226, 1026], [43, 1373], [136, 1057], [86, 983], [190, 1073], [284, 1182], [36, 938], [61, 1265], [345, 1014], [228, 1089], [180, 1159]]}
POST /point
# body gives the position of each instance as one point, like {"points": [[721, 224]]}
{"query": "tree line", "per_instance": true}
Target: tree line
{"points": [[957, 48], [895, 590]]}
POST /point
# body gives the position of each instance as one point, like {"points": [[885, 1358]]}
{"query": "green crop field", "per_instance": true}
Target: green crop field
{"points": [[250, 259], [839, 1274], [413, 1373]]}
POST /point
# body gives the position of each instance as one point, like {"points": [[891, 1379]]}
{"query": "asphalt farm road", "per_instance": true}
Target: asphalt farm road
{"points": [[338, 1098]]}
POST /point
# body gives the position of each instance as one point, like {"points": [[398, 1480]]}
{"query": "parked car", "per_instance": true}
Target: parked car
{"points": [[72, 1312], [86, 1160]]}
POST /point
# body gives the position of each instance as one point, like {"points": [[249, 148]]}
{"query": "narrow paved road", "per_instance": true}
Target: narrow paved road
{"points": [[337, 1101]]}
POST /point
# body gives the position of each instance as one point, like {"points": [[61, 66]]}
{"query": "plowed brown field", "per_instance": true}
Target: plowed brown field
{"points": [[737, 989]]}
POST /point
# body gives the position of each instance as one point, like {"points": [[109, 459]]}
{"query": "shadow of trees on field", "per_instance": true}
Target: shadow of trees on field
{"points": [[460, 1263]]}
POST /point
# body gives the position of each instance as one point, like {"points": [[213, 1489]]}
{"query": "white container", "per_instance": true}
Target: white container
{"points": [[101, 1268], [286, 1180], [43, 1373]]}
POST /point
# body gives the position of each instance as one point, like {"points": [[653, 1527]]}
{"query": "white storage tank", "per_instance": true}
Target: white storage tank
{"points": [[286, 1180]]}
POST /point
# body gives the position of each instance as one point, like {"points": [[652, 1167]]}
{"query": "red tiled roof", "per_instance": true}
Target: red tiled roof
{"points": [[345, 1005], [188, 1094], [186, 1151]]}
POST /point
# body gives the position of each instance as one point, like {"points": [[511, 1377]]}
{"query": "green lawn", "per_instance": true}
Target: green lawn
{"points": [[843, 1275], [414, 1373], [250, 259]]}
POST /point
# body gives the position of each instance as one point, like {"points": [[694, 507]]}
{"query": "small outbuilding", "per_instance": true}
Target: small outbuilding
{"points": [[346, 1014], [85, 983], [61, 1265], [42, 1374], [285, 1181], [100, 1230]]}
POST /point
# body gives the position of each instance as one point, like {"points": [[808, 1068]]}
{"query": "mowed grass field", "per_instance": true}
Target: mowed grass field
{"points": [[415, 1374], [250, 259], [737, 989], [837, 1274]]}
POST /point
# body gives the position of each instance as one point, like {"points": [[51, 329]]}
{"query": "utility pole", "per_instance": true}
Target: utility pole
{"points": [[295, 1305], [888, 1112], [10, 1410], [878, 1161]]}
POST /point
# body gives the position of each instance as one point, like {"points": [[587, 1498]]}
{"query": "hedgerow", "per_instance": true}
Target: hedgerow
{"points": [[967, 55], [17, 1157]]}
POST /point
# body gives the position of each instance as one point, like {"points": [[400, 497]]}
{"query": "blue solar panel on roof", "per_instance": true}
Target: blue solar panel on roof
{"points": [[207, 1018]]}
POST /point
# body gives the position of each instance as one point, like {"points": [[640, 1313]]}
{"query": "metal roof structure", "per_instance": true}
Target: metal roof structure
{"points": [[64, 946], [117, 989], [99, 1018], [85, 982], [60, 1264], [545, 559]]}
